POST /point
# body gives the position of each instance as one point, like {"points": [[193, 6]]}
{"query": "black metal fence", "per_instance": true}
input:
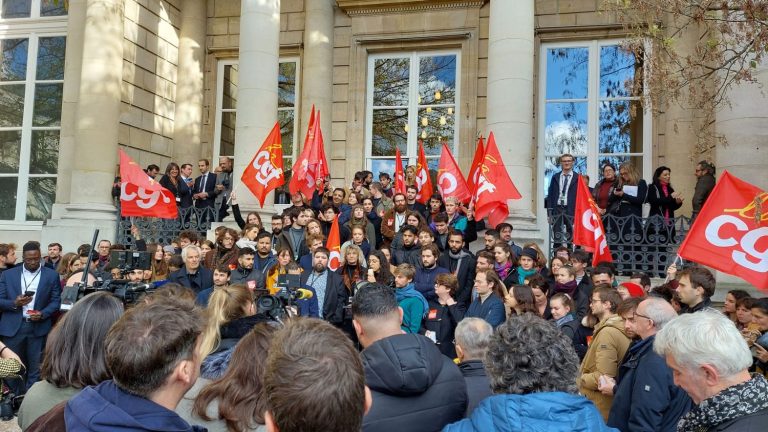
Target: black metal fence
{"points": [[637, 244], [155, 230]]}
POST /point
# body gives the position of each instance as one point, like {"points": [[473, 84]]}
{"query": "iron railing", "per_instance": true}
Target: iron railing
{"points": [[163, 231], [637, 244]]}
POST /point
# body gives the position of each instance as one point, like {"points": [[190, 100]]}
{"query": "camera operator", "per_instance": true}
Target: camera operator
{"points": [[135, 275]]}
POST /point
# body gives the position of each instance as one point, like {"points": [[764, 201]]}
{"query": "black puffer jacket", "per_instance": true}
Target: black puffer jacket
{"points": [[414, 386]]}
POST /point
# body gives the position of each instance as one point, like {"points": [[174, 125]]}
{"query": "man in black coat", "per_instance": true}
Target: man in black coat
{"points": [[329, 288], [414, 386], [461, 263], [245, 273], [192, 275], [472, 336]]}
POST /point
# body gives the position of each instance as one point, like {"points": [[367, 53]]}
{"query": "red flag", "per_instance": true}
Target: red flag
{"points": [[265, 172], [334, 245], [399, 175], [474, 169], [450, 181], [494, 187], [141, 195], [311, 164], [731, 231], [423, 179], [588, 227]]}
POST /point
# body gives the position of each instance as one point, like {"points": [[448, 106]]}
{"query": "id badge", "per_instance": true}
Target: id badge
{"points": [[431, 335]]}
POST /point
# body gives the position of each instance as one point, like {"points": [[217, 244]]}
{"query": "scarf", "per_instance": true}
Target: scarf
{"points": [[665, 190], [736, 401], [455, 262], [564, 320], [409, 291], [567, 288], [503, 269], [522, 274]]}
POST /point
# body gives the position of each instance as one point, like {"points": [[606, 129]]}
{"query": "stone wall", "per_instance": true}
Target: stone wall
{"points": [[150, 66]]}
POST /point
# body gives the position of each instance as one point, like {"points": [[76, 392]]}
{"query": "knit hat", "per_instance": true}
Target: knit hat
{"points": [[170, 249], [530, 253], [633, 289]]}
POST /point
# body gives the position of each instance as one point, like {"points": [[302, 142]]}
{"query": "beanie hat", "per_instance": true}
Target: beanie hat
{"points": [[634, 289], [530, 253]]}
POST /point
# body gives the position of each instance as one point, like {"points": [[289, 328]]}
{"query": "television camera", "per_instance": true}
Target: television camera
{"points": [[282, 303]]}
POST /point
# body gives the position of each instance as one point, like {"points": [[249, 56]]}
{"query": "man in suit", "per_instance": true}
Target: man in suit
{"points": [[29, 295], [186, 177], [192, 275], [561, 199], [205, 191]]}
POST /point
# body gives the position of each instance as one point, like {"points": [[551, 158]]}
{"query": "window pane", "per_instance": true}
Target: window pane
{"points": [[618, 131], [52, 8], [390, 129], [12, 108], [286, 85], [229, 99], [16, 8], [437, 80], [10, 146], [379, 166], [45, 152], [567, 71], [50, 58], [439, 129], [552, 166], [40, 197], [227, 142], [566, 130], [14, 66], [617, 71], [48, 105], [285, 117], [8, 187], [390, 82]]}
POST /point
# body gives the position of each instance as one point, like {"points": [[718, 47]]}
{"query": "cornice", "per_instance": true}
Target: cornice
{"points": [[377, 7]]}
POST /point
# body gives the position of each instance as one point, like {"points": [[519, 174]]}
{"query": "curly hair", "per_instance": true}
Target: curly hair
{"points": [[529, 355]]}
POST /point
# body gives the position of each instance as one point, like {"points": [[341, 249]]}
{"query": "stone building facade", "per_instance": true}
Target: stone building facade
{"points": [[177, 80]]}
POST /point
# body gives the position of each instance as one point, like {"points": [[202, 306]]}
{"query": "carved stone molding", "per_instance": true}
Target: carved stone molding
{"points": [[375, 7]]}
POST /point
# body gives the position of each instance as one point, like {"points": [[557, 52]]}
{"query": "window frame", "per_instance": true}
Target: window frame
{"points": [[412, 142], [33, 28], [593, 154]]}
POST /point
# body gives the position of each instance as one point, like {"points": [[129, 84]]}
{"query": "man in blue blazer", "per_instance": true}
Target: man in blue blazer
{"points": [[29, 295], [192, 275], [561, 198], [205, 191]]}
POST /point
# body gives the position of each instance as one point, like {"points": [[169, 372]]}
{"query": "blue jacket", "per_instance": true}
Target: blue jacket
{"points": [[645, 396], [534, 412], [47, 300], [108, 408], [492, 310], [425, 281], [203, 279]]}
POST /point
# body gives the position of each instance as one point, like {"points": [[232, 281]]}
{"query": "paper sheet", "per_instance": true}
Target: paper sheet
{"points": [[630, 190]]}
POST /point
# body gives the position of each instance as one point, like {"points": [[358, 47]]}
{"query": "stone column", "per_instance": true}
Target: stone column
{"points": [[510, 103], [94, 159], [257, 89], [317, 65], [189, 88]]}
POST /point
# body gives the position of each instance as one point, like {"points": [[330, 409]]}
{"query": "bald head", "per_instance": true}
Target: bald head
{"points": [[652, 315], [472, 336]]}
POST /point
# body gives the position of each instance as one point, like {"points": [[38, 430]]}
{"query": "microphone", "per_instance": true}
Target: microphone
{"points": [[303, 294]]}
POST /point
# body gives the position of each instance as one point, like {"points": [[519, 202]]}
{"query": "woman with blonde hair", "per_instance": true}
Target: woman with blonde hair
{"points": [[230, 315], [68, 265]]}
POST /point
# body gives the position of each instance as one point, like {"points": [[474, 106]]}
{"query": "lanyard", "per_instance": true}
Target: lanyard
{"points": [[28, 284]]}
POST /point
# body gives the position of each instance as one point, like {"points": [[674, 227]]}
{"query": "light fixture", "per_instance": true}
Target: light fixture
{"points": [[450, 111], [429, 110], [419, 99], [438, 95], [442, 121], [424, 121], [406, 127], [423, 134]]}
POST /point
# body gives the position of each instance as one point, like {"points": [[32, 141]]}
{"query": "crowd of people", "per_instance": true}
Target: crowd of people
{"points": [[412, 331]]}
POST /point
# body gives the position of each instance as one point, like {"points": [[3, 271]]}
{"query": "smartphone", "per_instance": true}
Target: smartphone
{"points": [[29, 293]]}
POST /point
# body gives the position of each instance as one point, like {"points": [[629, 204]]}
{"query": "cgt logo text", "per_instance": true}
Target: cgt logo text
{"points": [[728, 231]]}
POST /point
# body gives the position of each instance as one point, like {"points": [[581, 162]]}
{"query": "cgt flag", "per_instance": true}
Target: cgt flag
{"points": [[474, 169], [730, 233], [399, 175], [423, 179], [493, 187], [334, 245], [311, 163], [450, 181], [141, 195], [265, 172], [588, 227]]}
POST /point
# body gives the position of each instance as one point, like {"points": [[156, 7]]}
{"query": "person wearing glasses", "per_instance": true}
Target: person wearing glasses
{"points": [[561, 198], [645, 396], [609, 344]]}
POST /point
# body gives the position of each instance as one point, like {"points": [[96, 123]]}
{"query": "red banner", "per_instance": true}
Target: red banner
{"points": [[423, 179], [474, 169], [265, 172], [141, 195], [494, 187], [731, 231], [450, 181], [588, 228], [334, 245], [399, 175], [311, 163]]}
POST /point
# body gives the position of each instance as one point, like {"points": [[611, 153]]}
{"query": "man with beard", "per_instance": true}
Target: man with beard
{"points": [[441, 229], [245, 273], [54, 256], [490, 238], [329, 288], [409, 253], [381, 202], [277, 228], [394, 219], [220, 279], [413, 205], [314, 241], [505, 234], [293, 237], [264, 258], [424, 280], [461, 263]]}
